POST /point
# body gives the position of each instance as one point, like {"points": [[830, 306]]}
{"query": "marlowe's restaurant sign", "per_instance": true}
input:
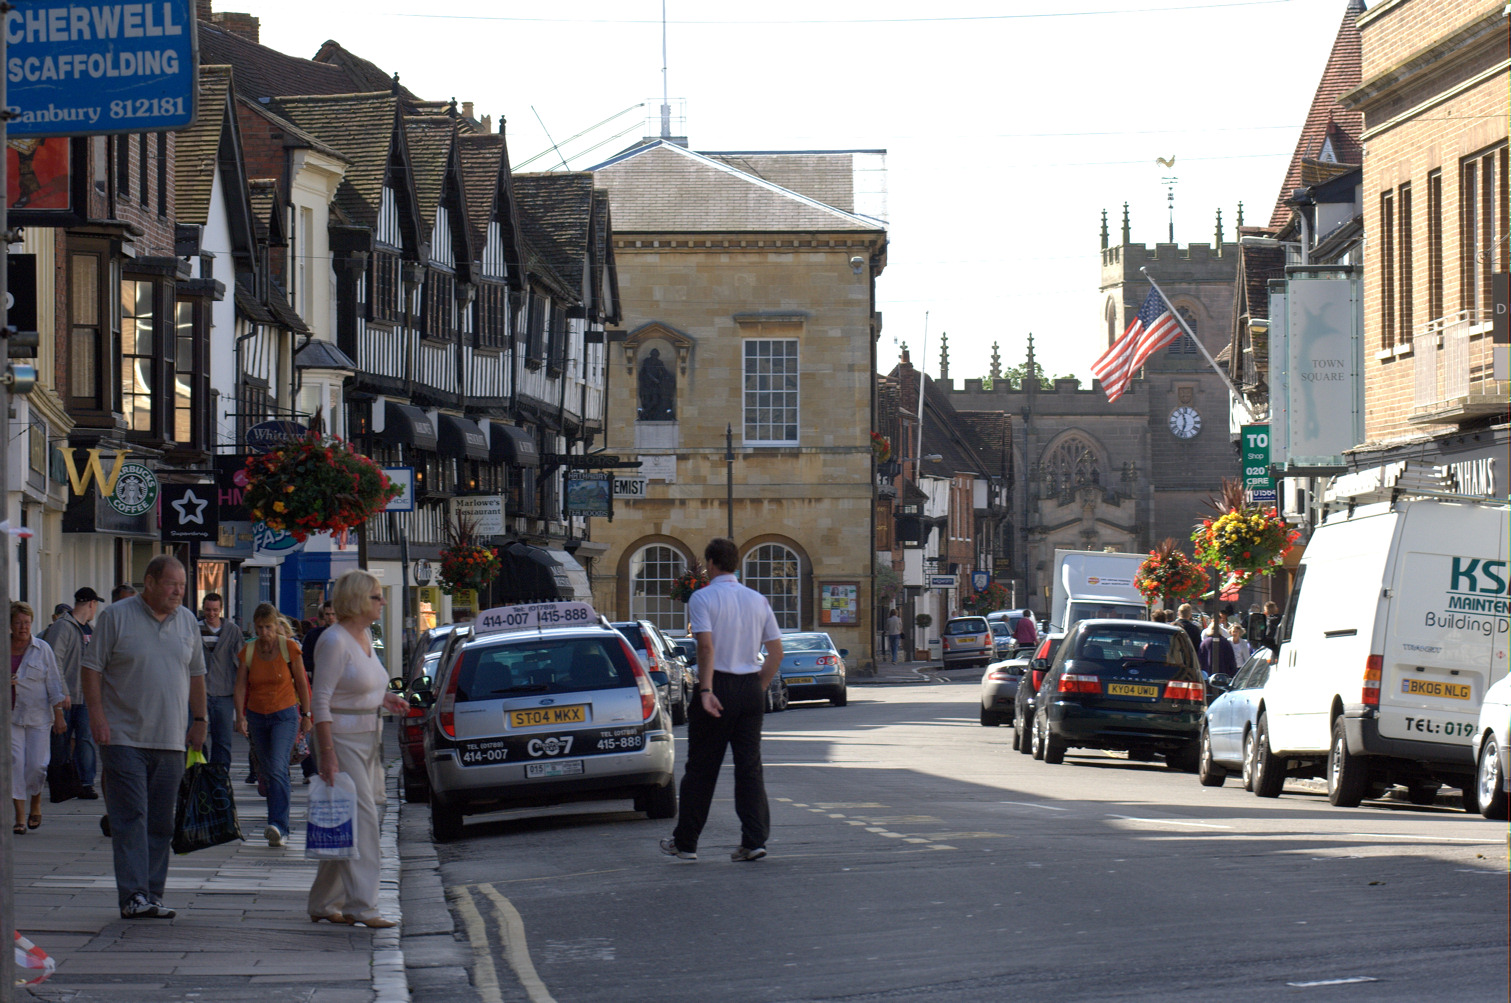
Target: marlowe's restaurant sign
{"points": [[75, 69]]}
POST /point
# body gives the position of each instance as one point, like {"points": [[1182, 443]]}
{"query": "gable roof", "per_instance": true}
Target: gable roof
{"points": [[484, 159], [262, 72], [429, 140], [661, 187], [561, 207], [197, 149], [293, 136], [364, 74], [362, 128], [1328, 123]]}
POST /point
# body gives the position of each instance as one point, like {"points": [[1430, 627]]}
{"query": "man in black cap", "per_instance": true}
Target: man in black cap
{"points": [[68, 635]]}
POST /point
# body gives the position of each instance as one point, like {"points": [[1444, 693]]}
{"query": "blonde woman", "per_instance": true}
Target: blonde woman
{"points": [[1242, 649], [351, 686], [272, 710], [38, 699]]}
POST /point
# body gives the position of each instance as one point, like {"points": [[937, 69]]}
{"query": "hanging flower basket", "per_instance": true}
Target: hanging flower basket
{"points": [[318, 484], [1170, 576], [993, 597], [1243, 539], [465, 563], [688, 582], [881, 447]]}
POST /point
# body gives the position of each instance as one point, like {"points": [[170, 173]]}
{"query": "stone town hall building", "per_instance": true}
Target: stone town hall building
{"points": [[1121, 475]]}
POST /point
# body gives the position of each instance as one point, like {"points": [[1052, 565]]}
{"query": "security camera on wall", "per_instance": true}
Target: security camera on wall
{"points": [[857, 263]]}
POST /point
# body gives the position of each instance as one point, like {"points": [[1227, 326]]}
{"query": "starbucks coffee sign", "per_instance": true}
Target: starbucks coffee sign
{"points": [[136, 490]]}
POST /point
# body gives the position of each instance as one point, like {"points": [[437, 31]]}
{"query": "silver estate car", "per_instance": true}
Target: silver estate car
{"points": [[541, 715]]}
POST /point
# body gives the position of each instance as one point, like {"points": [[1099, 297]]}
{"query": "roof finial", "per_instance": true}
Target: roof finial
{"points": [[1127, 233], [1219, 233], [905, 361], [996, 369], [1031, 371], [396, 81], [944, 356], [1104, 229], [1240, 215], [451, 107]]}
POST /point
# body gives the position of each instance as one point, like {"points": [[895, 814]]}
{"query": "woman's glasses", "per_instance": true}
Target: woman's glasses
{"points": [[376, 598]]}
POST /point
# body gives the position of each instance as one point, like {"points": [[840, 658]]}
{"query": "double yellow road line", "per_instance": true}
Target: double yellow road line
{"points": [[511, 932]]}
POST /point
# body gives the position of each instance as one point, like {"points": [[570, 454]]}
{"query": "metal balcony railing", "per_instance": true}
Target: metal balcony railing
{"points": [[1454, 377]]}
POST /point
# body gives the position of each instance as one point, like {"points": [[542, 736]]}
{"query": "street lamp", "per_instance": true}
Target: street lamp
{"points": [[729, 478]]}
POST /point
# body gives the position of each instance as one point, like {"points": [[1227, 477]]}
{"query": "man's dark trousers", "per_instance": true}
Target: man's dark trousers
{"points": [[739, 727]]}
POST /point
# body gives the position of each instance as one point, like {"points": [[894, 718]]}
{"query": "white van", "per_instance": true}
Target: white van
{"points": [[1395, 629]]}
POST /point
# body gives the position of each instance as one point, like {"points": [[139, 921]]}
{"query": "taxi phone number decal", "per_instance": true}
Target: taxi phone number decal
{"points": [[1448, 728], [490, 752]]}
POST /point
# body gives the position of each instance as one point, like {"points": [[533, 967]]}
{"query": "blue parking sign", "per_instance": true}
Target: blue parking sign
{"points": [[73, 69]]}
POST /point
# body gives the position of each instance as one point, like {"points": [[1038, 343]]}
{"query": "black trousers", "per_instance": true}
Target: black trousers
{"points": [[737, 727]]}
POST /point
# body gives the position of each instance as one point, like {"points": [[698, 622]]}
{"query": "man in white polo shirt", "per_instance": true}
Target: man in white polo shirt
{"points": [[730, 623]]}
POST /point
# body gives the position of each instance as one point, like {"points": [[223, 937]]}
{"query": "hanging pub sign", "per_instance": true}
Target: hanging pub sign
{"points": [[266, 436]]}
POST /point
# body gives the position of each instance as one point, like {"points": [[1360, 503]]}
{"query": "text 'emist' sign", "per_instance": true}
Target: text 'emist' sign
{"points": [[75, 69]]}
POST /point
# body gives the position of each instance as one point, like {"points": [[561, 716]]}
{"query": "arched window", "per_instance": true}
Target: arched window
{"points": [[1110, 314], [1071, 462], [652, 571], [1183, 345], [773, 570]]}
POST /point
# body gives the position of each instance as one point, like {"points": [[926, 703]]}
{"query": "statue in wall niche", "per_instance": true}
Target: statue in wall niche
{"points": [[658, 390]]}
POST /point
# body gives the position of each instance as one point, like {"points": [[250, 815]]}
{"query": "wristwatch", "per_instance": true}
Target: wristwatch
{"points": [[200, 719]]}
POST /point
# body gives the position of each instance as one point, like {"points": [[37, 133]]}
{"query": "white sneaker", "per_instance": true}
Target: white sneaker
{"points": [[273, 835]]}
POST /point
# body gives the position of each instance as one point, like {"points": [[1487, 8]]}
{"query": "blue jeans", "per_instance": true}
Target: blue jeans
{"points": [[141, 793], [222, 714], [896, 640], [80, 742], [272, 736]]}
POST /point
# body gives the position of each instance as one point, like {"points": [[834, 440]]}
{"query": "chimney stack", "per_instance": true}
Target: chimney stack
{"points": [[202, 10], [467, 109], [241, 25]]}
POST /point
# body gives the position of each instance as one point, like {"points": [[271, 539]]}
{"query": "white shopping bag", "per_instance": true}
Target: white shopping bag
{"points": [[330, 831]]}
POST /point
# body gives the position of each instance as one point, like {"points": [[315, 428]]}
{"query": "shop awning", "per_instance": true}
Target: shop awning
{"points": [[576, 574], [532, 574], [408, 424], [513, 445], [461, 437]]}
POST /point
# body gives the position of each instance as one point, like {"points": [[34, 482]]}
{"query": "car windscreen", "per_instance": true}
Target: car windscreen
{"points": [[1001, 629], [544, 665], [436, 640], [806, 642], [966, 625], [1116, 649], [633, 634]]}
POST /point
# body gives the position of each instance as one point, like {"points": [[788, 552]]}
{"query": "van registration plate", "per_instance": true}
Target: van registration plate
{"points": [[566, 768], [1131, 690], [1436, 688], [536, 716]]}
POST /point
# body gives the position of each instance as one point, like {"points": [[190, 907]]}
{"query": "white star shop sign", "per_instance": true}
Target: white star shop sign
{"points": [[189, 513]]}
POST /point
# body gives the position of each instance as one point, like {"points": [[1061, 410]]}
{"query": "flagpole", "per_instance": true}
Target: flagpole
{"points": [[1199, 346]]}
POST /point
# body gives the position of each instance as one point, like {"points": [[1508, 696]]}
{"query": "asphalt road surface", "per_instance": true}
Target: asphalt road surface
{"points": [[915, 856]]}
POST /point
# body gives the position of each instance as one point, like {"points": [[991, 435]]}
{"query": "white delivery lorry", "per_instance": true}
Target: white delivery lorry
{"points": [[1396, 627], [1095, 584]]}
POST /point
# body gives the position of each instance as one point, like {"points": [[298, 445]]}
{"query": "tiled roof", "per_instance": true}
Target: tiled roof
{"points": [[482, 157], [361, 128], [541, 256], [293, 136], [364, 75], [263, 193], [662, 188], [994, 435], [561, 206], [828, 177], [1256, 267], [1328, 120], [262, 72], [283, 312], [250, 307], [197, 148], [317, 353], [429, 140]]}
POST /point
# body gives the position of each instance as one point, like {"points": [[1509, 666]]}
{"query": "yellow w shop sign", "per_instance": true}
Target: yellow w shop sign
{"points": [[79, 481]]}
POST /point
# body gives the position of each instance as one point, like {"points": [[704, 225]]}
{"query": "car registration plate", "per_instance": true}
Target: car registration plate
{"points": [[537, 716], [565, 768], [1435, 688], [799, 680], [1132, 690]]}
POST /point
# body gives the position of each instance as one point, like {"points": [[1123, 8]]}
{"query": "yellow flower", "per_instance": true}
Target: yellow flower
{"points": [[279, 506]]}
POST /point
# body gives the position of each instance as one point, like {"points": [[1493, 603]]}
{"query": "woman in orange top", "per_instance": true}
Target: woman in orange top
{"points": [[272, 710]]}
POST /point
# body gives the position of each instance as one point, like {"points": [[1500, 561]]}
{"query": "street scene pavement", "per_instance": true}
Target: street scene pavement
{"points": [[914, 856]]}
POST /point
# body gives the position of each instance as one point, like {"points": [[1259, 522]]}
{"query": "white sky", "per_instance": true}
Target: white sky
{"points": [[1009, 125]]}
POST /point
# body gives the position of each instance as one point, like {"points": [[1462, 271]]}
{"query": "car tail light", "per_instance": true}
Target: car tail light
{"points": [[1374, 668], [446, 708], [1181, 689], [643, 683], [944, 643], [1070, 682], [1043, 651], [826, 660], [999, 675]]}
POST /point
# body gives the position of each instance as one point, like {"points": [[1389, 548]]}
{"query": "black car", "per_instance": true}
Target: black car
{"points": [[1027, 696], [1129, 685]]}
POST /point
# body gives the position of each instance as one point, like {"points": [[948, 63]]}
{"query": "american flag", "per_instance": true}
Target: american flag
{"points": [[1153, 328]]}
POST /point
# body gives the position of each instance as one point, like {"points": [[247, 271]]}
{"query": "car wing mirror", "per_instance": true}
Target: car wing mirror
{"points": [[396, 686], [424, 684], [1222, 682], [844, 652], [1040, 664], [661, 678]]}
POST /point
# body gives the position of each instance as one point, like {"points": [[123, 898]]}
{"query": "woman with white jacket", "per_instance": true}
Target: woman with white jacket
{"points": [[38, 700]]}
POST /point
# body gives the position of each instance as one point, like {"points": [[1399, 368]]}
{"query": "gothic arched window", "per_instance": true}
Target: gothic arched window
{"points": [[1110, 314], [1071, 462], [1184, 345]]}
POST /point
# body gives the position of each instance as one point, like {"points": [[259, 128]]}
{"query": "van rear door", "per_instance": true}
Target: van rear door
{"points": [[1446, 636]]}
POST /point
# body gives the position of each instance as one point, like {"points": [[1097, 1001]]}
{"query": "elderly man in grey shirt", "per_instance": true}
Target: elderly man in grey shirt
{"points": [[144, 677]]}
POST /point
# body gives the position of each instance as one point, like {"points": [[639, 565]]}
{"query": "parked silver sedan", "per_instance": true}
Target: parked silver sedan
{"points": [[999, 689]]}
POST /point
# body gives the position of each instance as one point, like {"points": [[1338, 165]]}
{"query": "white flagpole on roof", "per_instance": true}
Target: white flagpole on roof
{"points": [[1200, 347]]}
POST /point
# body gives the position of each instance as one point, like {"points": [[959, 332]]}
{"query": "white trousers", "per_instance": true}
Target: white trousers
{"points": [[351, 886], [30, 752]]}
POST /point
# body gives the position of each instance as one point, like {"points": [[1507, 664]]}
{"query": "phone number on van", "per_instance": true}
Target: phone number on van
{"points": [[1448, 728]]}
